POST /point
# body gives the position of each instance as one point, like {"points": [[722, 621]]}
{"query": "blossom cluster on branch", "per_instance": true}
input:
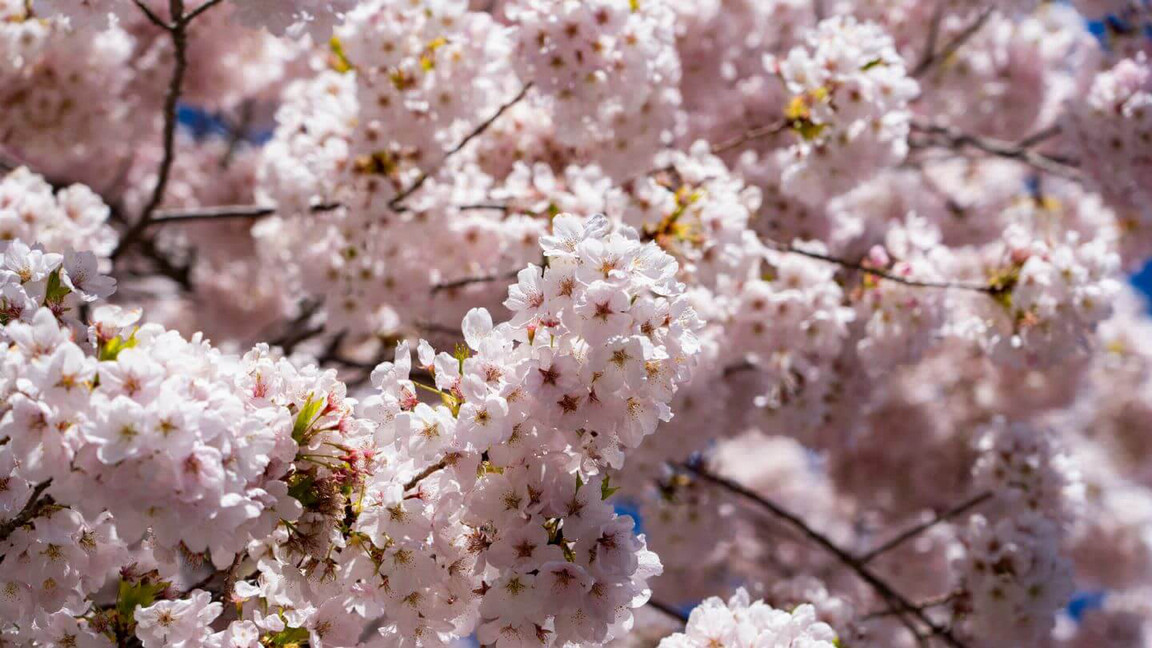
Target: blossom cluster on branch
{"points": [[522, 323]]}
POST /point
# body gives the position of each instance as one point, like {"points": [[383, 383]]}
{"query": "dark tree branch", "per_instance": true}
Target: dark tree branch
{"points": [[859, 267], [297, 330], [224, 212], [951, 138], [434, 468], [933, 35], [955, 511], [867, 575], [32, 509], [178, 32], [481, 207], [468, 281], [397, 202], [926, 605], [154, 216], [749, 136], [152, 17], [668, 610], [201, 9]]}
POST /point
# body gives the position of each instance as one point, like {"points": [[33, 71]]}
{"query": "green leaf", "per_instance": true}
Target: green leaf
{"points": [[876, 62], [340, 63], [306, 418], [462, 353], [133, 595], [111, 349], [606, 490], [808, 129], [56, 291], [286, 638]]}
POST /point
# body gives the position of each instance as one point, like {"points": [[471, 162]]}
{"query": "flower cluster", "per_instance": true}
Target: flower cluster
{"points": [[536, 322], [610, 69], [849, 107], [295, 17], [1014, 569], [741, 623], [1050, 295], [49, 286], [1113, 127], [424, 71]]}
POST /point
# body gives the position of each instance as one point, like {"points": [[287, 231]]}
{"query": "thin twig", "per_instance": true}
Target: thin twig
{"points": [[867, 575], [955, 511], [748, 136], [952, 46], [468, 281], [438, 466], [32, 508], [926, 605], [948, 137], [152, 17], [296, 330], [486, 206], [396, 203], [201, 9], [1039, 136], [859, 267]]}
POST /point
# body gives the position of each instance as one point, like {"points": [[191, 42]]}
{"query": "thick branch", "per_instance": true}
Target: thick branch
{"points": [[668, 610], [933, 35], [32, 508], [396, 203], [955, 511], [867, 575], [224, 212], [178, 32]]}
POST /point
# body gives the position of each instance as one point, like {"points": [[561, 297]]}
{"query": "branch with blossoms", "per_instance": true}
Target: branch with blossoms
{"points": [[397, 203], [939, 518], [879, 273], [634, 235], [154, 217], [857, 565]]}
